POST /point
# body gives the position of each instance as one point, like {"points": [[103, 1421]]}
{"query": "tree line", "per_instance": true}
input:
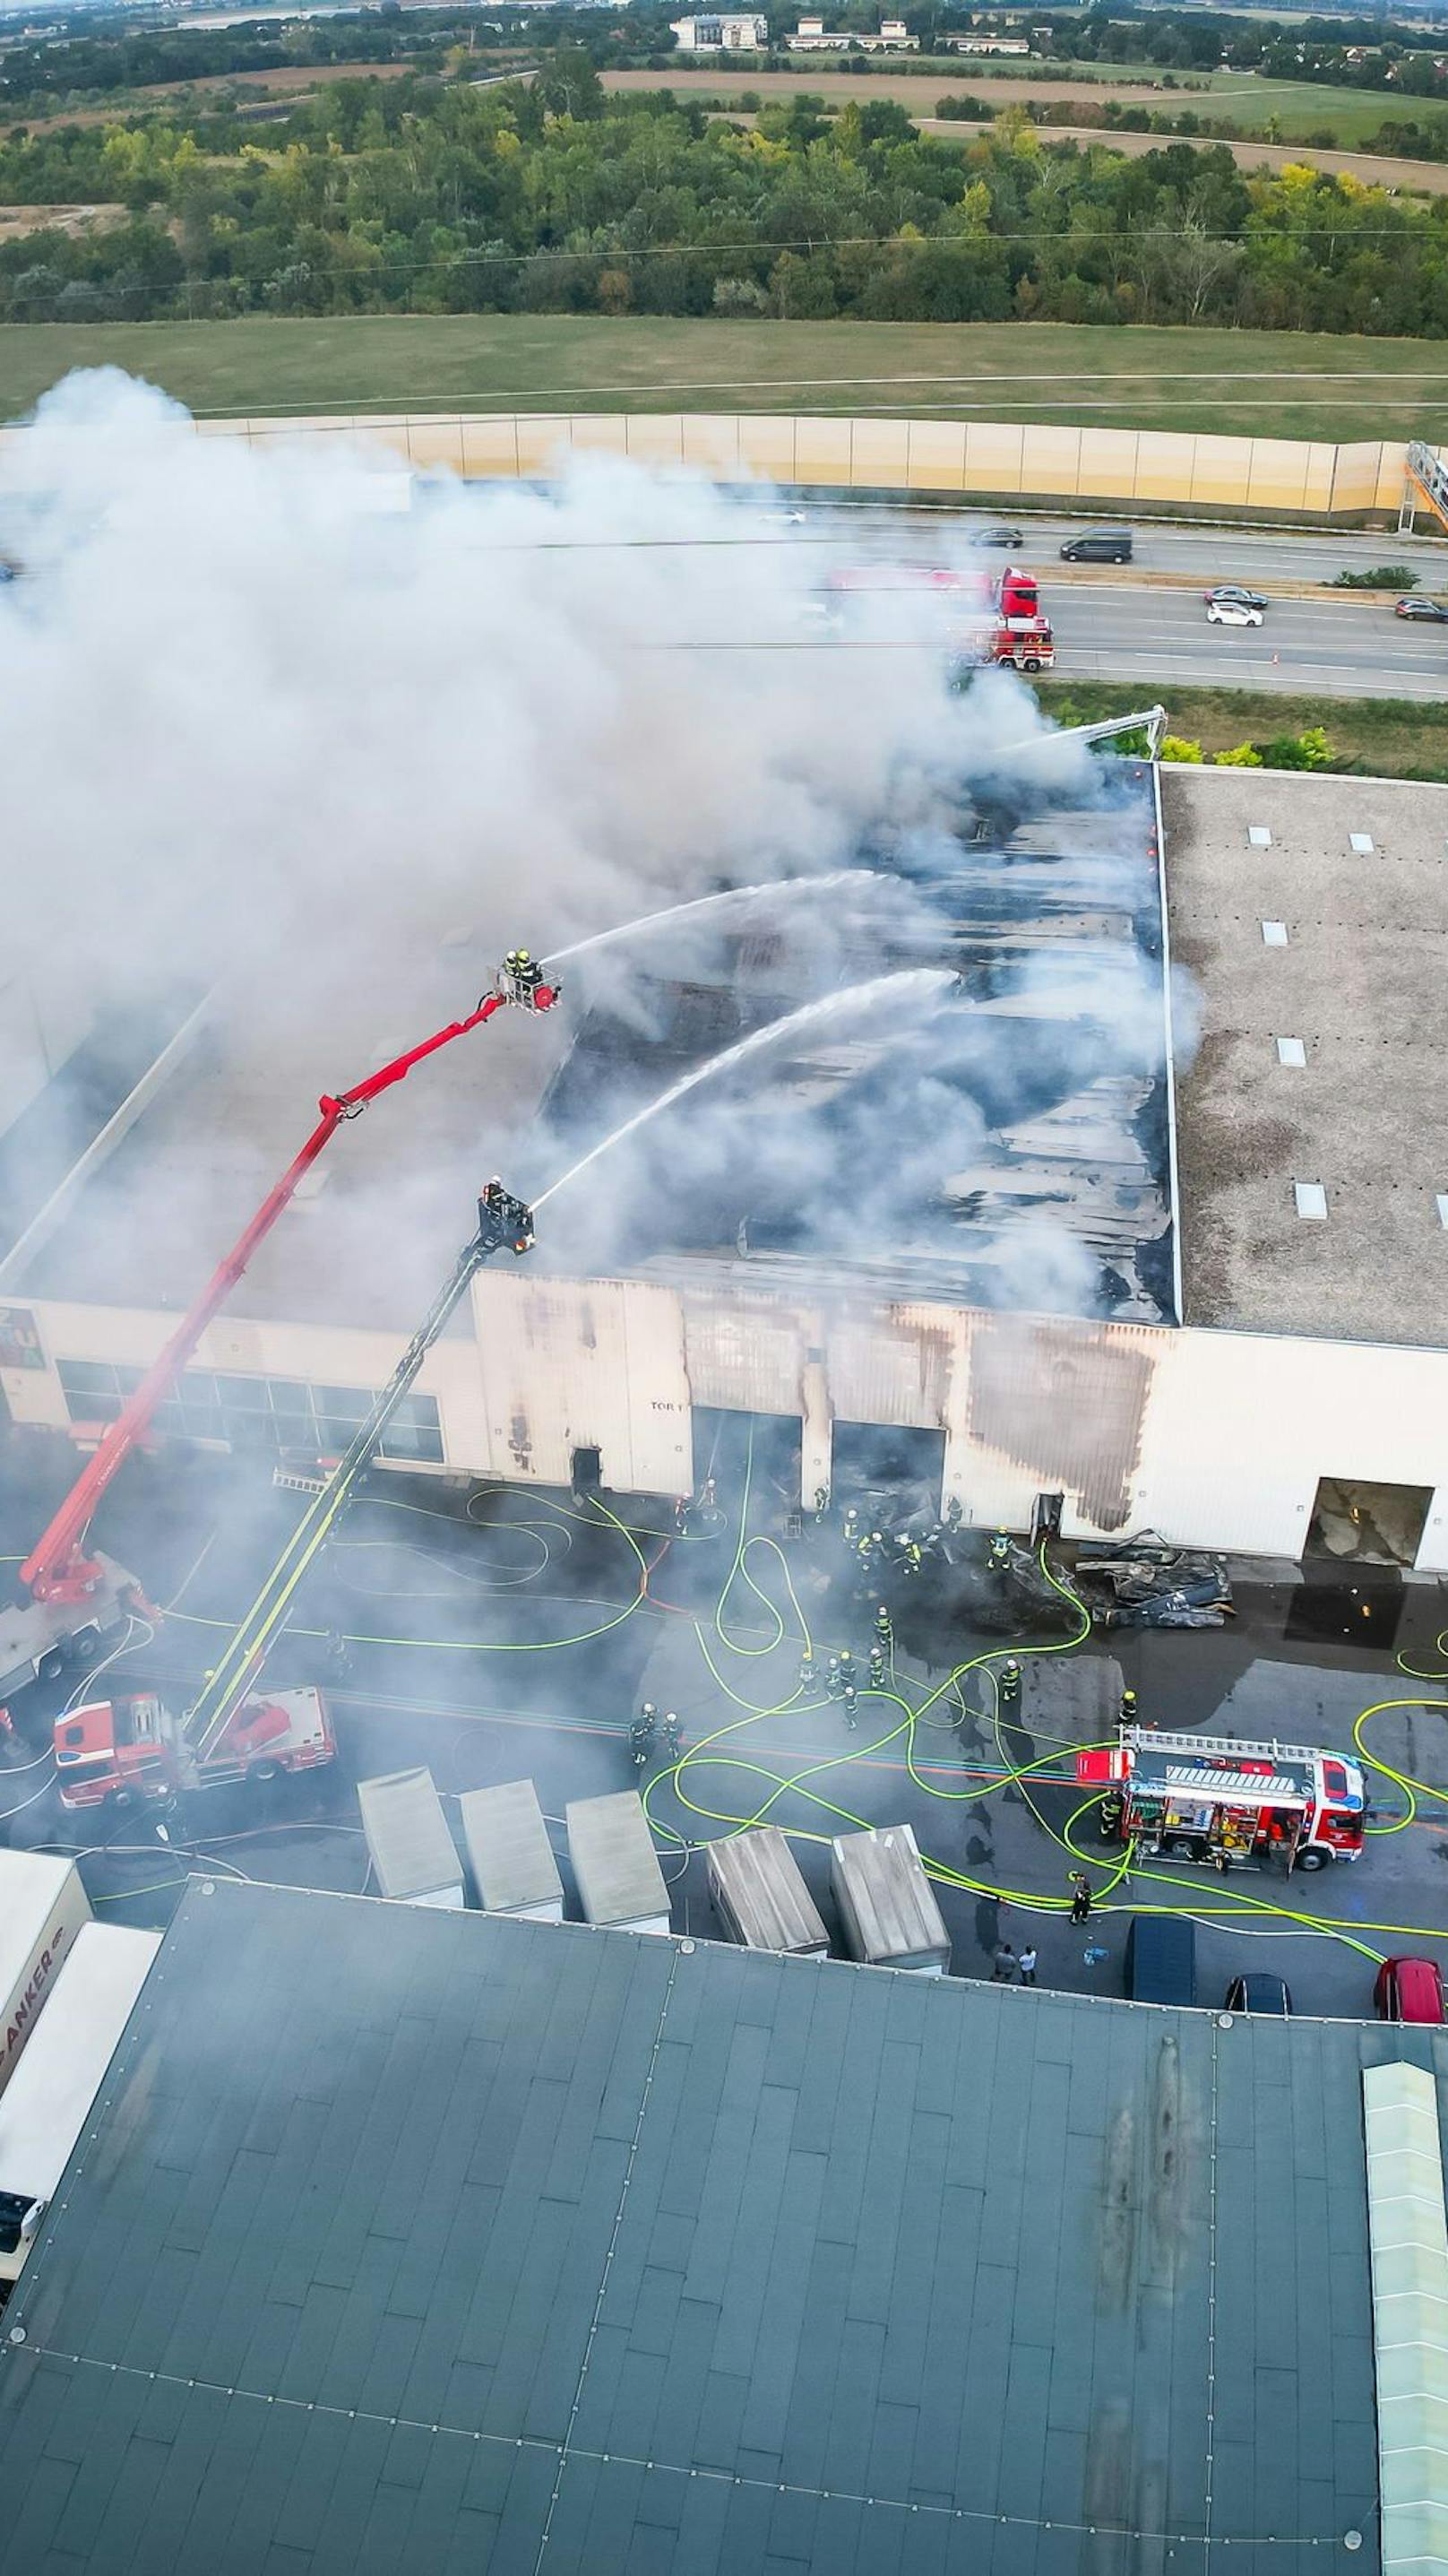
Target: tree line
{"points": [[418, 196]]}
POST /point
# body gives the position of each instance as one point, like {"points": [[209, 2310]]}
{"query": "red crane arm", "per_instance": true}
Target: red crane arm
{"points": [[55, 1570]]}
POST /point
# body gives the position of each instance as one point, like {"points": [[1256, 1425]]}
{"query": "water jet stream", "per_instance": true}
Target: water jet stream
{"points": [[729, 895], [917, 986]]}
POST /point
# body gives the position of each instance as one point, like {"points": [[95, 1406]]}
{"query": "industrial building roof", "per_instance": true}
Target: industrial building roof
{"points": [[1311, 912], [415, 2241], [1009, 1147]]}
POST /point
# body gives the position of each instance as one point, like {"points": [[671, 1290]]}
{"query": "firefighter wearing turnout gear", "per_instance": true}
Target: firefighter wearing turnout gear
{"points": [[877, 1668], [884, 1628], [523, 972], [641, 1734], [1010, 1682]]}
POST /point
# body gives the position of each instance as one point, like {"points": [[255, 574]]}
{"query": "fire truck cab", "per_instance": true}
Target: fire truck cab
{"points": [[1222, 1802], [131, 1752]]}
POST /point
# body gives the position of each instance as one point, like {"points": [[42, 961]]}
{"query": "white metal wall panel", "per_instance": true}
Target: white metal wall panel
{"points": [[1240, 1426], [893, 1364], [746, 1353], [584, 1363]]}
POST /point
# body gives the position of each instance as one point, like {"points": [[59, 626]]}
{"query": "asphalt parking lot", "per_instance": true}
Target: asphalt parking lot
{"points": [[493, 1634]]}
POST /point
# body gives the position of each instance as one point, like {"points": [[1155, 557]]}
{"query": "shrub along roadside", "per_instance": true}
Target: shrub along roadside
{"points": [[1377, 737]]}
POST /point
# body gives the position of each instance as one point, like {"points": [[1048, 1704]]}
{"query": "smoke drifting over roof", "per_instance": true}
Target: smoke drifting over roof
{"points": [[332, 760]]}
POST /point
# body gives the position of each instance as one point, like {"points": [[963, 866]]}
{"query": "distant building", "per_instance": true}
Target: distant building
{"points": [[719, 35], [812, 36], [986, 44]]}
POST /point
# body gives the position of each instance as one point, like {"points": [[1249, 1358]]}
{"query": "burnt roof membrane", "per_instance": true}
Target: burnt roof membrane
{"points": [[1005, 1146]]}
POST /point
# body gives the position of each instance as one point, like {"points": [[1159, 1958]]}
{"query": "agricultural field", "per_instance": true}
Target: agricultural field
{"points": [[1289, 110], [1273, 384]]}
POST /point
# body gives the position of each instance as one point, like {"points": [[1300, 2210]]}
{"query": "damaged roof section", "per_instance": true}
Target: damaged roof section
{"points": [[1006, 1146]]}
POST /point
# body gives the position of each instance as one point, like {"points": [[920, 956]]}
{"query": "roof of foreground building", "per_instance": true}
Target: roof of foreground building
{"points": [[1311, 912], [428, 2242]]}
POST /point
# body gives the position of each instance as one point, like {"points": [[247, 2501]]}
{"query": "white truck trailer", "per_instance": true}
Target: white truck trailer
{"points": [[42, 1908], [615, 1863], [886, 1902], [509, 1853], [414, 1857], [49, 2099]]}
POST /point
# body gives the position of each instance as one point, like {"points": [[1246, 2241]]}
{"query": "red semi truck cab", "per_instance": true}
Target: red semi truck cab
{"points": [[1223, 1799], [132, 1752], [978, 619]]}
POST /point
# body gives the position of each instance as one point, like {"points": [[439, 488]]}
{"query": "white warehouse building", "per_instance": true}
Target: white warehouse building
{"points": [[1263, 1200], [730, 34]]}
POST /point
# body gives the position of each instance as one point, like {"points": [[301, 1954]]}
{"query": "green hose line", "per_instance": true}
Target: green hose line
{"points": [[1414, 1673], [1413, 1789], [904, 1708]]}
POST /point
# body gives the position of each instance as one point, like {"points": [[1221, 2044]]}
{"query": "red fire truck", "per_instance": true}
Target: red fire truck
{"points": [[132, 1752], [981, 620], [1224, 1802]]}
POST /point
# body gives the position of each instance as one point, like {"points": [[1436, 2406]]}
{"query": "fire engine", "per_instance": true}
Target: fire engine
{"points": [[132, 1752], [1220, 1800], [123, 1752], [981, 620]]}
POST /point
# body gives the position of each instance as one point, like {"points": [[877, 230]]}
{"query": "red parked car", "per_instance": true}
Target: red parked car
{"points": [[1409, 1990]]}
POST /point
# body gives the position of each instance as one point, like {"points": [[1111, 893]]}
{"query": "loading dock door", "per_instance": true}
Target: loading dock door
{"points": [[1355, 1523]]}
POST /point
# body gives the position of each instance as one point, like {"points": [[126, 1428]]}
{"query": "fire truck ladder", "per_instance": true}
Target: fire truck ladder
{"points": [[504, 1223], [1425, 486], [57, 1568]]}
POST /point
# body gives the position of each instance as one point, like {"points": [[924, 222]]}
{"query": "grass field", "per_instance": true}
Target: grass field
{"points": [[1272, 384], [1383, 737], [1300, 107]]}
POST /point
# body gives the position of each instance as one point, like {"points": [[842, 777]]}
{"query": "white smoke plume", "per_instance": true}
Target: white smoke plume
{"points": [[332, 760]]}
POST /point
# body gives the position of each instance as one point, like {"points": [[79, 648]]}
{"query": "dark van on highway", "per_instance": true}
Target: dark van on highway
{"points": [[1098, 545], [1161, 1960]]}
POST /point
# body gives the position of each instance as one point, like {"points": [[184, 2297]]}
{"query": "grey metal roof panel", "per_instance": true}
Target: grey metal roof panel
{"points": [[614, 1859], [413, 1854], [882, 1891], [508, 1848], [859, 2265], [759, 1887]]}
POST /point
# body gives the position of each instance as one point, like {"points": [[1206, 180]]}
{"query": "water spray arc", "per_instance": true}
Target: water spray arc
{"points": [[716, 906], [918, 986]]}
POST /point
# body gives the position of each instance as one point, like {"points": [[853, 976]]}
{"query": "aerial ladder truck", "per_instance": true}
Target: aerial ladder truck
{"points": [[125, 1752], [73, 1601]]}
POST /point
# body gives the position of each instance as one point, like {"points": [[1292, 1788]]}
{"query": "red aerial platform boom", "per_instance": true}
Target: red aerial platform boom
{"points": [[57, 1569]]}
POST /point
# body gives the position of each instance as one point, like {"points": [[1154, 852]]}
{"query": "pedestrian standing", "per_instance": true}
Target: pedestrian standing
{"points": [[1003, 1966], [1080, 1896], [1027, 1964]]}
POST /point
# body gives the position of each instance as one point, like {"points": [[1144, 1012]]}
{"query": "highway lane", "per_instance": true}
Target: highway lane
{"points": [[1353, 648], [1114, 625], [1255, 555]]}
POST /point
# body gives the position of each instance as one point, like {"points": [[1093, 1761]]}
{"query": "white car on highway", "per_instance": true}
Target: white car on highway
{"points": [[1232, 612]]}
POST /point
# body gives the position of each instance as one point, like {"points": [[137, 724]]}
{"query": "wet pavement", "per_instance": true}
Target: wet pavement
{"points": [[497, 1634]]}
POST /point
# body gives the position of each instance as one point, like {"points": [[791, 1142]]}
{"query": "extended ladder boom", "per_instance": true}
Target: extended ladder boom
{"points": [[56, 1569], [504, 1223]]}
